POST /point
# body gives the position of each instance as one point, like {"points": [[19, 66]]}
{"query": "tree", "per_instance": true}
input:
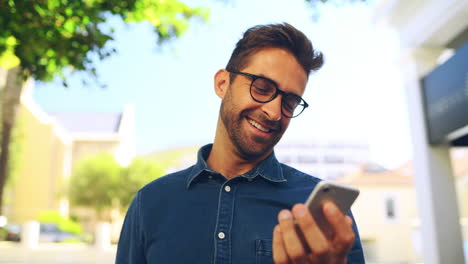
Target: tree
{"points": [[136, 175], [41, 38], [95, 183], [100, 183]]}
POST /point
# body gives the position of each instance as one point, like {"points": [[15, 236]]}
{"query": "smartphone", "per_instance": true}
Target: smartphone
{"points": [[343, 196]]}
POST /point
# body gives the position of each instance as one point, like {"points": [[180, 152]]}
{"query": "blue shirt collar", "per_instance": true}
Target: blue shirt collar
{"points": [[269, 168]]}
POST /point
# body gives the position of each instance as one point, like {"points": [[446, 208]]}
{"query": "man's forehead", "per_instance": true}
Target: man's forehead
{"points": [[279, 65], [256, 56]]}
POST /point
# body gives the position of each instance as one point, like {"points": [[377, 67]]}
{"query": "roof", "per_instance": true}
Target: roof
{"points": [[367, 174], [88, 122]]}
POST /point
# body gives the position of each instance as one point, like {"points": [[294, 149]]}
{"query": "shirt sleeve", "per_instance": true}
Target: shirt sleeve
{"points": [[130, 249], [356, 255]]}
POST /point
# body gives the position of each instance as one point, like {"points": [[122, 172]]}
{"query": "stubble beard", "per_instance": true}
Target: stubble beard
{"points": [[248, 147]]}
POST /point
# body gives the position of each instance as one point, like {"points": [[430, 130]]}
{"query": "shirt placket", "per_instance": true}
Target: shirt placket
{"points": [[222, 234]]}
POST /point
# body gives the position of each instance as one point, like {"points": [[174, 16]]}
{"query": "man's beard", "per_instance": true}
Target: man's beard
{"points": [[249, 147]]}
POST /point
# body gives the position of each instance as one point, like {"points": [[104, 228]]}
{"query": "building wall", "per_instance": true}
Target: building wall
{"points": [[462, 193], [386, 239], [398, 239], [38, 183], [47, 160], [48, 157], [127, 147], [89, 147]]}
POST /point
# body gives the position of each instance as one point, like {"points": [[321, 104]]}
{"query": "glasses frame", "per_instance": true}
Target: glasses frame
{"points": [[277, 91]]}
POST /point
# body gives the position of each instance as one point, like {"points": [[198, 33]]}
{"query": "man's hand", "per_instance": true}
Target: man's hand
{"points": [[298, 239]]}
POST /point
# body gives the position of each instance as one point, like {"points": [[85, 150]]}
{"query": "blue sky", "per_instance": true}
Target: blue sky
{"points": [[355, 96]]}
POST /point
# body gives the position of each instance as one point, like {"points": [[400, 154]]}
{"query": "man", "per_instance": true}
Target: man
{"points": [[233, 205]]}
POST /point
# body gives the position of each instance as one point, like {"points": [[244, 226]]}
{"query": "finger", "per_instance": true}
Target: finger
{"points": [[314, 237], [344, 234], [349, 221], [291, 240], [279, 252]]}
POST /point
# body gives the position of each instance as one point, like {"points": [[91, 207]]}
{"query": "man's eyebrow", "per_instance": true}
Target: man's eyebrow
{"points": [[277, 86], [268, 78]]}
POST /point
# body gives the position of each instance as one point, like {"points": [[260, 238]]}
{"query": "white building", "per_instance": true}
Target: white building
{"points": [[430, 32], [52, 144], [323, 159]]}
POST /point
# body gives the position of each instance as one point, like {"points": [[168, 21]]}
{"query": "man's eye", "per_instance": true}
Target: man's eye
{"points": [[262, 90], [263, 87], [289, 107], [290, 104]]}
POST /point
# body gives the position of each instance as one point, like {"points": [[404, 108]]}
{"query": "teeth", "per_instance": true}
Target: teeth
{"points": [[257, 125]]}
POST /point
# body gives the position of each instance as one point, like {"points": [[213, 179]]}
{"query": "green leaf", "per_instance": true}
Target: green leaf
{"points": [[63, 32], [51, 67], [53, 4], [11, 41], [8, 60], [68, 10], [69, 26], [50, 53], [39, 10]]}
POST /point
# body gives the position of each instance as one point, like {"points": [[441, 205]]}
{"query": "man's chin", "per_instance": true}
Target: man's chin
{"points": [[255, 151]]}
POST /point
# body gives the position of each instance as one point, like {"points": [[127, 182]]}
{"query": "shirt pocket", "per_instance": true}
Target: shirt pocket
{"points": [[264, 251]]}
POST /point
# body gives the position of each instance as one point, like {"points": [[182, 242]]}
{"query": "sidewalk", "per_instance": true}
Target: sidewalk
{"points": [[14, 253]]}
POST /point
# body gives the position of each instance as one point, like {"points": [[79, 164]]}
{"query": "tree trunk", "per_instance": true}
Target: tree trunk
{"points": [[10, 100]]}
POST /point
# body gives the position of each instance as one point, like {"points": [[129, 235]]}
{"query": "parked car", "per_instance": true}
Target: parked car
{"points": [[50, 232], [10, 232]]}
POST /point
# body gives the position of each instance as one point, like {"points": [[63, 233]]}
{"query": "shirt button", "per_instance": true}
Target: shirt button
{"points": [[221, 235], [227, 188]]}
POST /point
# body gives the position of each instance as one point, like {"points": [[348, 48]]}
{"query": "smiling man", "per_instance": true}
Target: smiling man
{"points": [[238, 204]]}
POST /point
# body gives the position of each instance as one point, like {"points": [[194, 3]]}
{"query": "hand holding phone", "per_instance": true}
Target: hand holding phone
{"points": [[342, 196], [297, 239]]}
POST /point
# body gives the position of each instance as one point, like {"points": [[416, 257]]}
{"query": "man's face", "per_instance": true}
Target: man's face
{"points": [[255, 128]]}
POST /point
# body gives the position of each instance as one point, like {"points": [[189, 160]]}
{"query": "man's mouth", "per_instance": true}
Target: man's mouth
{"points": [[259, 126]]}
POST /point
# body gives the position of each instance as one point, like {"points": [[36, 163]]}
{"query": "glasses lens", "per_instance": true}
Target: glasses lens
{"points": [[292, 105], [262, 90]]}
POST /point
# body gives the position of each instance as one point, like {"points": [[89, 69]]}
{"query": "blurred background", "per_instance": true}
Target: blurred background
{"points": [[99, 98]]}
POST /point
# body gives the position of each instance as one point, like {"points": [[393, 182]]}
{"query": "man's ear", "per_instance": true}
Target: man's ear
{"points": [[221, 82]]}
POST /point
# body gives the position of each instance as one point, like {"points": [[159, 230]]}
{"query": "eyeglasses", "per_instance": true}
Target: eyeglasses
{"points": [[264, 90]]}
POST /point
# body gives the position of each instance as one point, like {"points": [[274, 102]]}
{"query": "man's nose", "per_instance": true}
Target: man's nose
{"points": [[273, 109]]}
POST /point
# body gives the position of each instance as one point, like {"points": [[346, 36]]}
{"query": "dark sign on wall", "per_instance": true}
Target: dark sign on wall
{"points": [[445, 92]]}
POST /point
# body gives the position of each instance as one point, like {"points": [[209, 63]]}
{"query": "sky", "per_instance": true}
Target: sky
{"points": [[356, 96]]}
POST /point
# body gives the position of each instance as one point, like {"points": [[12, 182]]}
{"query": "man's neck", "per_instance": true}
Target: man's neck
{"points": [[227, 163], [225, 159]]}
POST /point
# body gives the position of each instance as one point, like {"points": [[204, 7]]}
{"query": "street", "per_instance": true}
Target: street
{"points": [[50, 253]]}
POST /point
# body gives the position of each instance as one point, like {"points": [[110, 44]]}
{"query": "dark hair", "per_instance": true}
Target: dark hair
{"points": [[278, 36]]}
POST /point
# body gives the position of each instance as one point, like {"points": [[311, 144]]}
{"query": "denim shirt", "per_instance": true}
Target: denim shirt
{"points": [[198, 216]]}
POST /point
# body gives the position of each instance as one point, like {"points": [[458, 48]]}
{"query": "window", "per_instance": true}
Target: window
{"points": [[307, 159], [333, 159], [391, 208]]}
